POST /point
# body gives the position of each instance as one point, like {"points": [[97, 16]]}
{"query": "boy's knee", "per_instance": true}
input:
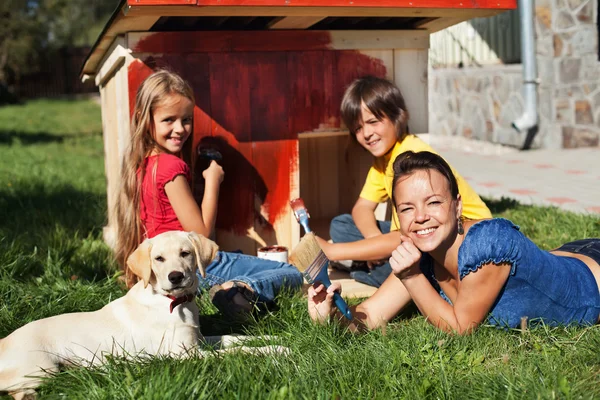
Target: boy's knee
{"points": [[338, 227]]}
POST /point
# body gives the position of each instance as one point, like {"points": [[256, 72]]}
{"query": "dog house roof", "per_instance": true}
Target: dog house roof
{"points": [[231, 15]]}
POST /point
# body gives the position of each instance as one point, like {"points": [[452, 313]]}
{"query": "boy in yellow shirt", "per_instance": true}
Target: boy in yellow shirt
{"points": [[374, 111]]}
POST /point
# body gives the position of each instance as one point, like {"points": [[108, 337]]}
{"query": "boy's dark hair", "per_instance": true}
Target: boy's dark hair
{"points": [[408, 162], [382, 98]]}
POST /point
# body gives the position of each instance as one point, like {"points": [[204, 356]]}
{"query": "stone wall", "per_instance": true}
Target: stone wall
{"points": [[476, 103], [569, 72], [482, 102]]}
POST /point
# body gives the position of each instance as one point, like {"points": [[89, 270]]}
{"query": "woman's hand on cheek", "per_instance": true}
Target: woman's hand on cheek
{"points": [[405, 259]]}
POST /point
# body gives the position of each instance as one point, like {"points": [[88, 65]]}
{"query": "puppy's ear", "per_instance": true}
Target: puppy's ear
{"points": [[140, 263], [205, 250]]}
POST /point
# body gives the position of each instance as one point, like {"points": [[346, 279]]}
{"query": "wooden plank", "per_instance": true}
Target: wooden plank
{"points": [[374, 40], [354, 3], [437, 24], [355, 162], [320, 175], [351, 289], [295, 22], [240, 41], [410, 75], [113, 60], [161, 2], [276, 163], [119, 26], [316, 11], [310, 75], [350, 65], [230, 112]]}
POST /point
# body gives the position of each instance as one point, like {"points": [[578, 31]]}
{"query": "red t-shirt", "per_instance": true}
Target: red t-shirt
{"points": [[156, 212]]}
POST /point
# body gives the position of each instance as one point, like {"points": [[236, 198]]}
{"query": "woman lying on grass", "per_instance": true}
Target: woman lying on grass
{"points": [[461, 273]]}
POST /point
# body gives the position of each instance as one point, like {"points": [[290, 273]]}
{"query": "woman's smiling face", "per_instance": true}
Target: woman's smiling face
{"points": [[427, 212]]}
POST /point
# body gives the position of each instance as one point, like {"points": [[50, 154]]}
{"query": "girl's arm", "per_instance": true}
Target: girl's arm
{"points": [[185, 206], [213, 176], [476, 293], [374, 248], [363, 214], [375, 312], [191, 217]]}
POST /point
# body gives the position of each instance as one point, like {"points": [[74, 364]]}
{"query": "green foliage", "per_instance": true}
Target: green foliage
{"points": [[31, 29], [53, 260]]}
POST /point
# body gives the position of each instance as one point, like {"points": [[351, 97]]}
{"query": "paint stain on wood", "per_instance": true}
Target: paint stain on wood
{"points": [[251, 106]]}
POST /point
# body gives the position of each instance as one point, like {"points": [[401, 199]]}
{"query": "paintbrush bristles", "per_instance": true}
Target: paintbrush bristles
{"points": [[303, 255]]}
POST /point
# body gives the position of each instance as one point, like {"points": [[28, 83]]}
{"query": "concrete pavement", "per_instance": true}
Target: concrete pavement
{"points": [[568, 179]]}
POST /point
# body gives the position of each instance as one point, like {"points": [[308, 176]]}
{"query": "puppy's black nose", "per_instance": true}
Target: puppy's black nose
{"points": [[175, 277]]}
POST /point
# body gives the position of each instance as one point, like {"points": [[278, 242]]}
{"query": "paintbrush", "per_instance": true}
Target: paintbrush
{"points": [[309, 258], [301, 213]]}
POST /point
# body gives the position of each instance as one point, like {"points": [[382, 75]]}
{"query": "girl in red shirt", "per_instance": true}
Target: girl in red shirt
{"points": [[156, 197]]}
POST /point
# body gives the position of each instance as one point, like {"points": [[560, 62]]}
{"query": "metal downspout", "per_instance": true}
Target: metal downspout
{"points": [[529, 118]]}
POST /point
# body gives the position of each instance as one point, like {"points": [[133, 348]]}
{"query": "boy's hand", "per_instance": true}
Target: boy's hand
{"points": [[214, 173], [405, 259]]}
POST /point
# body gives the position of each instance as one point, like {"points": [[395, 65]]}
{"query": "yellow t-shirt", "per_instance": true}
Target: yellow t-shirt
{"points": [[378, 185]]}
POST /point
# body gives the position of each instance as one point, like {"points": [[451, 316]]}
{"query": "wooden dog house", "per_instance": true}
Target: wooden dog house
{"points": [[268, 77]]}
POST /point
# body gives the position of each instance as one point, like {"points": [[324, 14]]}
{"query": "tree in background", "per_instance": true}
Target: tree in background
{"points": [[32, 29]]}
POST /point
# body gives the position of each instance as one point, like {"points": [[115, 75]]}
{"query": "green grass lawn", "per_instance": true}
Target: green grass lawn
{"points": [[52, 260]]}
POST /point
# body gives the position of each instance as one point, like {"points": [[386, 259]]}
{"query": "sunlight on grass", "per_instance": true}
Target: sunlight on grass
{"points": [[53, 260]]}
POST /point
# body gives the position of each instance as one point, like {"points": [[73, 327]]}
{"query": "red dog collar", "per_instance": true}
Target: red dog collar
{"points": [[179, 300]]}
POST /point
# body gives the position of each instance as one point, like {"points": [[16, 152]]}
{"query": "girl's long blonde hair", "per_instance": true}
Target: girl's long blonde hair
{"points": [[151, 93]]}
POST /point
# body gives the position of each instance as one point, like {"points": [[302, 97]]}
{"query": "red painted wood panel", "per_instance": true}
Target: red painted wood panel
{"points": [[251, 106], [501, 4], [350, 65], [232, 41], [496, 4], [311, 93], [161, 2], [269, 96]]}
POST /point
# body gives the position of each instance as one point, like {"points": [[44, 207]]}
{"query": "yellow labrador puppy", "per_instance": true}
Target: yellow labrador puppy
{"points": [[158, 316]]}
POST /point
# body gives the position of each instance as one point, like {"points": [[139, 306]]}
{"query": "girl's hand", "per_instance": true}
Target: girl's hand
{"points": [[214, 173], [320, 301], [405, 259]]}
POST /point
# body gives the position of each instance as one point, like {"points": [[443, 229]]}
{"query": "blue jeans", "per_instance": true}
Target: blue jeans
{"points": [[344, 230], [265, 277], [586, 247]]}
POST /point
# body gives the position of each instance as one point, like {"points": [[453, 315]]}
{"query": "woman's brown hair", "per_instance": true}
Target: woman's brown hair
{"points": [[409, 162]]}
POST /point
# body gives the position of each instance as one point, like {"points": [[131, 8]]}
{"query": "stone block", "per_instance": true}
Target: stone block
{"points": [[558, 45], [543, 15], [569, 70], [590, 70], [511, 110], [564, 112], [580, 137], [564, 21], [568, 91], [586, 13], [546, 70], [589, 88], [501, 88], [585, 41], [583, 113]]}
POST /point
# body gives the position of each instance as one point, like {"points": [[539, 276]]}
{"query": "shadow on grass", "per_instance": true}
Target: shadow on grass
{"points": [[499, 206], [52, 230], [9, 137]]}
